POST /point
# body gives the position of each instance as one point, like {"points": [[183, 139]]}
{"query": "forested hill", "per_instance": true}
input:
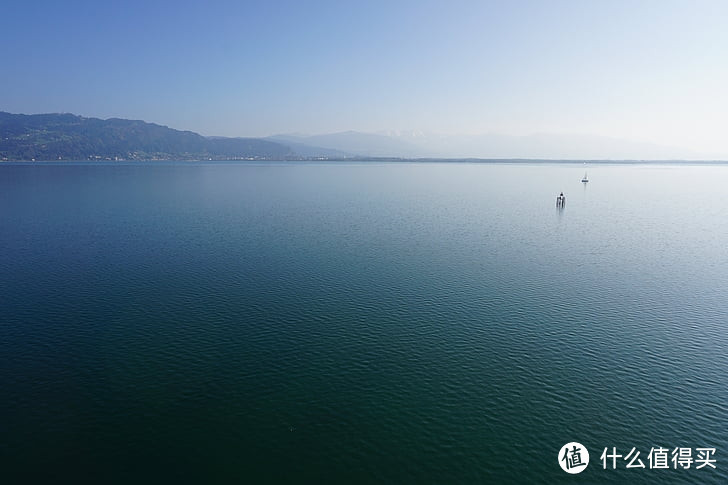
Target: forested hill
{"points": [[71, 137]]}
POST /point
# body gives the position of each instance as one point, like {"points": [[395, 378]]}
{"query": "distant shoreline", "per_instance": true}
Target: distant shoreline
{"points": [[67, 137], [373, 160]]}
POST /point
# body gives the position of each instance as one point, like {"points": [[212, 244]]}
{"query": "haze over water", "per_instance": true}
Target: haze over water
{"points": [[359, 322]]}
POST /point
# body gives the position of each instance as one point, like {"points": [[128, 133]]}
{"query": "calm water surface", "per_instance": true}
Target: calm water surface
{"points": [[359, 322]]}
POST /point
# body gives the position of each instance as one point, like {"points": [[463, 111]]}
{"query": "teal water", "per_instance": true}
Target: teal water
{"points": [[359, 322]]}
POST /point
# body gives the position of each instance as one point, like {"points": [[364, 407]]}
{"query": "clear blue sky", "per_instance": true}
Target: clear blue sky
{"points": [[645, 70]]}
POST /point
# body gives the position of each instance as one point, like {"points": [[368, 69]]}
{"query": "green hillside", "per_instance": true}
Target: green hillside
{"points": [[71, 137]]}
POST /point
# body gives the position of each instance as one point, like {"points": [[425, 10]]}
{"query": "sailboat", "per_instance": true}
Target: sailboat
{"points": [[585, 179]]}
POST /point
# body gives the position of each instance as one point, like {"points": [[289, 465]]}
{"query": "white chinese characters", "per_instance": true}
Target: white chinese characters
{"points": [[660, 458]]}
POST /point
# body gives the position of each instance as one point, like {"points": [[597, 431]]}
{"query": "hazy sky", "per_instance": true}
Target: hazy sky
{"points": [[645, 70]]}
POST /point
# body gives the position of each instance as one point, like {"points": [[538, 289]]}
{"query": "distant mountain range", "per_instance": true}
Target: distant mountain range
{"points": [[540, 146], [415, 144], [71, 137], [352, 143]]}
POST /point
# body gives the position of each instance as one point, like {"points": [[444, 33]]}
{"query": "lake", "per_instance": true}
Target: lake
{"points": [[363, 322]]}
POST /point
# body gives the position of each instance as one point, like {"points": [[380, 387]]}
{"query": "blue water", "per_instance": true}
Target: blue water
{"points": [[359, 322]]}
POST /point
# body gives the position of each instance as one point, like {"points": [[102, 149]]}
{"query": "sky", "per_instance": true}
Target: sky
{"points": [[649, 71]]}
